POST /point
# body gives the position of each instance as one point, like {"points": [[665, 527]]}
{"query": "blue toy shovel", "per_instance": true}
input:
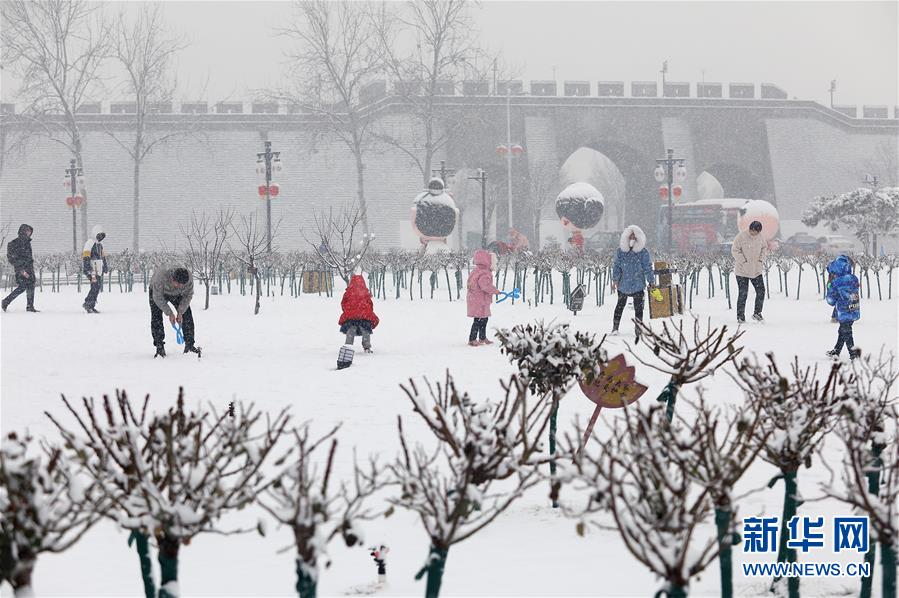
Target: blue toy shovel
{"points": [[515, 294], [179, 336]]}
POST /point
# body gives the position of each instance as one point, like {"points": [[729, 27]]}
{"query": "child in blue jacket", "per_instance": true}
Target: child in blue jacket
{"points": [[843, 294]]}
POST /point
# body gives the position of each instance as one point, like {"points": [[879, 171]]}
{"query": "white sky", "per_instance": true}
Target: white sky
{"points": [[799, 46]]}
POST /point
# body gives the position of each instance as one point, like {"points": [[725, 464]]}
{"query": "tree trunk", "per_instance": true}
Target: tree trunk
{"points": [[434, 568], [258, 291], [725, 541], [873, 475], [135, 240], [360, 188], [21, 578], [206, 284], [554, 484], [888, 563], [669, 397], [307, 585], [785, 554], [80, 163], [672, 590], [146, 567], [168, 566]]}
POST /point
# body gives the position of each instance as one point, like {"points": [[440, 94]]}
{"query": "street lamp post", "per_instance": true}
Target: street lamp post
{"points": [[671, 177], [482, 178], [443, 170], [73, 180], [833, 88], [266, 162], [509, 150]]}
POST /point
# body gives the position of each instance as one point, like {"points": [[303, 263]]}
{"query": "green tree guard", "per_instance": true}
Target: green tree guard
{"points": [[789, 511], [552, 451], [672, 591], [725, 556], [888, 563], [168, 563], [434, 568], [873, 475], [146, 569], [306, 584], [669, 397]]}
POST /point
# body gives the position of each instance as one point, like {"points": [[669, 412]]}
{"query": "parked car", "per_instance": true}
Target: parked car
{"points": [[801, 244], [836, 244]]}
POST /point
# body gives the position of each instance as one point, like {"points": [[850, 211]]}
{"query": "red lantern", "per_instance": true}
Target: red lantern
{"points": [[663, 192], [274, 189], [517, 150], [261, 190], [677, 190], [502, 150], [70, 201], [79, 199]]}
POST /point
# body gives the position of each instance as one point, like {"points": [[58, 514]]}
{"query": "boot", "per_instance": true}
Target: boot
{"points": [[32, 310], [614, 332], [4, 305], [758, 317], [474, 344], [368, 350], [342, 365], [190, 348], [855, 353], [834, 355], [485, 341], [160, 351]]}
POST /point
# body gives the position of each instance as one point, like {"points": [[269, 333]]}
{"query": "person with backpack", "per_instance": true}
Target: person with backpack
{"points": [[631, 274], [18, 252], [95, 266], [843, 294]]}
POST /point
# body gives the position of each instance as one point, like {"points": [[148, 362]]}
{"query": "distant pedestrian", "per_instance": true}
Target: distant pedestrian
{"points": [[631, 273], [18, 252], [94, 265], [358, 316], [844, 296], [749, 250], [175, 285], [830, 276], [480, 295]]}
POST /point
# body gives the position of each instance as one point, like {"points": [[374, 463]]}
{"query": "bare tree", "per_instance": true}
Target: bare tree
{"points": [[656, 503], [336, 239], [146, 53], [171, 475], [206, 242], [45, 507], [453, 489], [333, 59], [56, 47], [798, 410], [441, 45], [316, 510], [251, 248], [543, 180], [686, 358]]}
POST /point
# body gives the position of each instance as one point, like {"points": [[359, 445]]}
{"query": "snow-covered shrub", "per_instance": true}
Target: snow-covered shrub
{"points": [[44, 507]]}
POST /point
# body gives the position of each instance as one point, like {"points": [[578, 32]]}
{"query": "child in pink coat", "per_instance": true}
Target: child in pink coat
{"points": [[480, 296]]}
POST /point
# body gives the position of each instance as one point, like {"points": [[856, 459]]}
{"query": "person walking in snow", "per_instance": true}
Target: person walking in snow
{"points": [[480, 295], [843, 294], [749, 250], [831, 276], [631, 273], [18, 252], [175, 285], [94, 265], [358, 317]]}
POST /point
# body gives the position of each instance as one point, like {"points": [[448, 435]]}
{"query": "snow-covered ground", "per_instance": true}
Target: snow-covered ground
{"points": [[287, 355]]}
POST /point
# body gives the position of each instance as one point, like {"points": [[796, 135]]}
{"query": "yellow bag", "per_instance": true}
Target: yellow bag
{"points": [[656, 294]]}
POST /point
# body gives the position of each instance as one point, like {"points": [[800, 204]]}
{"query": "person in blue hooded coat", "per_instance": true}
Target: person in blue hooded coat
{"points": [[843, 294], [631, 273], [830, 276]]}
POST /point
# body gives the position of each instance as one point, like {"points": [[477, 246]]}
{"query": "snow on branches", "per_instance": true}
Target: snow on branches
{"points": [[550, 356], [45, 507], [172, 475], [686, 358], [655, 501], [303, 498], [483, 463], [867, 211]]}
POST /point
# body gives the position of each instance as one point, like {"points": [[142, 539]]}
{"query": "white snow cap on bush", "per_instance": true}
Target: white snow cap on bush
{"points": [[444, 199], [582, 190]]}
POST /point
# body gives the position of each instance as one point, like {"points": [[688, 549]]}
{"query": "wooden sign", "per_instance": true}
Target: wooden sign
{"points": [[614, 388], [576, 301]]}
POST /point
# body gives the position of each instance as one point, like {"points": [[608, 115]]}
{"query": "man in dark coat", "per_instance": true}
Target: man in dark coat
{"points": [[18, 252], [175, 285]]}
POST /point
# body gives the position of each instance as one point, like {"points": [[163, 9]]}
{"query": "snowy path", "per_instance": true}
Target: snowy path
{"points": [[286, 356]]}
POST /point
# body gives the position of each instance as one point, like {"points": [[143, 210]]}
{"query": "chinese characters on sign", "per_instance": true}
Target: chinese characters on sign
{"points": [[805, 533]]}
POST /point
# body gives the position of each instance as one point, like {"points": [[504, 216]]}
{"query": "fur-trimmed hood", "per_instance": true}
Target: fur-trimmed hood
{"points": [[640, 243]]}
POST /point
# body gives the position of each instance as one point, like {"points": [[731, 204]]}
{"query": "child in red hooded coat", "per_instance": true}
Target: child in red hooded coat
{"points": [[358, 317], [480, 295]]}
